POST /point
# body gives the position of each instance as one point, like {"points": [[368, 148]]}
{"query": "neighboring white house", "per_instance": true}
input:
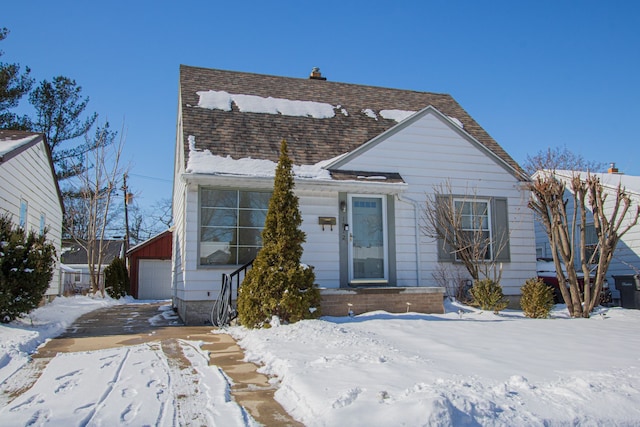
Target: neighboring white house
{"points": [[625, 263], [365, 158], [29, 190], [74, 257]]}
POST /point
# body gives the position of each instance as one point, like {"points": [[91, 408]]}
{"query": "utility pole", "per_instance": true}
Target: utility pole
{"points": [[127, 198]]}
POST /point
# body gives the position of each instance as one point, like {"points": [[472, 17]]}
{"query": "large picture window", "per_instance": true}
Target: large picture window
{"points": [[231, 223]]}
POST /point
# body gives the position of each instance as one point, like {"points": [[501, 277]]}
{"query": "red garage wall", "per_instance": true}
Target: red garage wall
{"points": [[158, 247]]}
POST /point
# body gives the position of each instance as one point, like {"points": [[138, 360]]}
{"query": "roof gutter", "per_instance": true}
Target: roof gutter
{"points": [[266, 182]]}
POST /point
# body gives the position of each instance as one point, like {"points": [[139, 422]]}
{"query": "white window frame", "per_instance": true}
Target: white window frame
{"points": [[489, 221], [237, 209], [591, 247], [24, 212], [43, 222]]}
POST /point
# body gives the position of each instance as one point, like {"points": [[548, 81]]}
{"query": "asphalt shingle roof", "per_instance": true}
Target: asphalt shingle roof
{"points": [[310, 140], [9, 138], [74, 253]]}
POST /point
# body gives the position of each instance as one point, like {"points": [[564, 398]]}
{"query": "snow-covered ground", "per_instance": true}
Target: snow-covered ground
{"points": [[137, 385], [377, 369], [474, 368]]}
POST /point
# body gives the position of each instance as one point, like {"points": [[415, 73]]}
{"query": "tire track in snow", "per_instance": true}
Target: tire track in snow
{"points": [[164, 412], [107, 391], [185, 387]]}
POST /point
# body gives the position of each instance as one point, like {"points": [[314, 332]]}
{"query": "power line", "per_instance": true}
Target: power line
{"points": [[153, 178]]}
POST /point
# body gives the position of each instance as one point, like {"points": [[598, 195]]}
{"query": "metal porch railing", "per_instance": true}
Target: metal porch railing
{"points": [[224, 310]]}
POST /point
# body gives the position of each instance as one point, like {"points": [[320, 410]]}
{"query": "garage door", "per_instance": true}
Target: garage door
{"points": [[154, 279]]}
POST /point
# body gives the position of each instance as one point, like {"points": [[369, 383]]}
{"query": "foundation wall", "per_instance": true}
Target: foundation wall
{"points": [[194, 312], [338, 302]]}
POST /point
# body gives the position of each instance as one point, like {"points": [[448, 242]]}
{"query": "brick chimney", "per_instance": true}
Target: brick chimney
{"points": [[316, 75], [612, 168]]}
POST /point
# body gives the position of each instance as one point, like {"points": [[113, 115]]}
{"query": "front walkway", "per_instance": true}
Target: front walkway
{"points": [[132, 324]]}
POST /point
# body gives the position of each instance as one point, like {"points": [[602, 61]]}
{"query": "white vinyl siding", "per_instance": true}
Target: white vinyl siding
{"points": [[27, 187], [431, 152], [321, 246], [626, 258], [427, 153]]}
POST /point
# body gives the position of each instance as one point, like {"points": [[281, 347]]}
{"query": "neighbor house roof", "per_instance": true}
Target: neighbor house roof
{"points": [[245, 115], [630, 183], [14, 142], [74, 253]]}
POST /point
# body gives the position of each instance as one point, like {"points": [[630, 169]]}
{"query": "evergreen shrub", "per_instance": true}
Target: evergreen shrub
{"points": [[116, 278], [278, 284], [537, 299], [488, 295], [26, 268]]}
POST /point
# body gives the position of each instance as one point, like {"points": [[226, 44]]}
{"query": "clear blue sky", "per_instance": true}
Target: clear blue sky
{"points": [[534, 74]]}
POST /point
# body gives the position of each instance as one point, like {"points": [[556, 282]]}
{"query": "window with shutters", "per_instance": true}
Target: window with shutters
{"points": [[486, 220]]}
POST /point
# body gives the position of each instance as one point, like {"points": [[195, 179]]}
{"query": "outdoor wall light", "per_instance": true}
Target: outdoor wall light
{"points": [[343, 206]]}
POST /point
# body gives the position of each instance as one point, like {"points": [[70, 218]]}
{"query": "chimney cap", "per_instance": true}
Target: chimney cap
{"points": [[316, 75], [612, 168]]}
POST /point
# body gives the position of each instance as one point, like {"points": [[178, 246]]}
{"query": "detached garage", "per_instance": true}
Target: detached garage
{"points": [[150, 268]]}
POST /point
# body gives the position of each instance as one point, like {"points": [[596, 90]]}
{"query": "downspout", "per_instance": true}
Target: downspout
{"points": [[416, 207]]}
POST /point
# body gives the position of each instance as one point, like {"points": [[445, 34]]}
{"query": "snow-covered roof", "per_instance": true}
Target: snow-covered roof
{"points": [[74, 253], [221, 100], [66, 269], [610, 180], [202, 161], [11, 140], [239, 119]]}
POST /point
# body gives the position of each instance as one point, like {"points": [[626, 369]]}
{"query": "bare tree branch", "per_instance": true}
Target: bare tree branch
{"points": [[97, 186], [549, 202], [458, 224]]}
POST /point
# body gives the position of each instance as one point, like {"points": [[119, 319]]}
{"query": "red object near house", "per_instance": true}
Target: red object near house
{"points": [[547, 272], [147, 258]]}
